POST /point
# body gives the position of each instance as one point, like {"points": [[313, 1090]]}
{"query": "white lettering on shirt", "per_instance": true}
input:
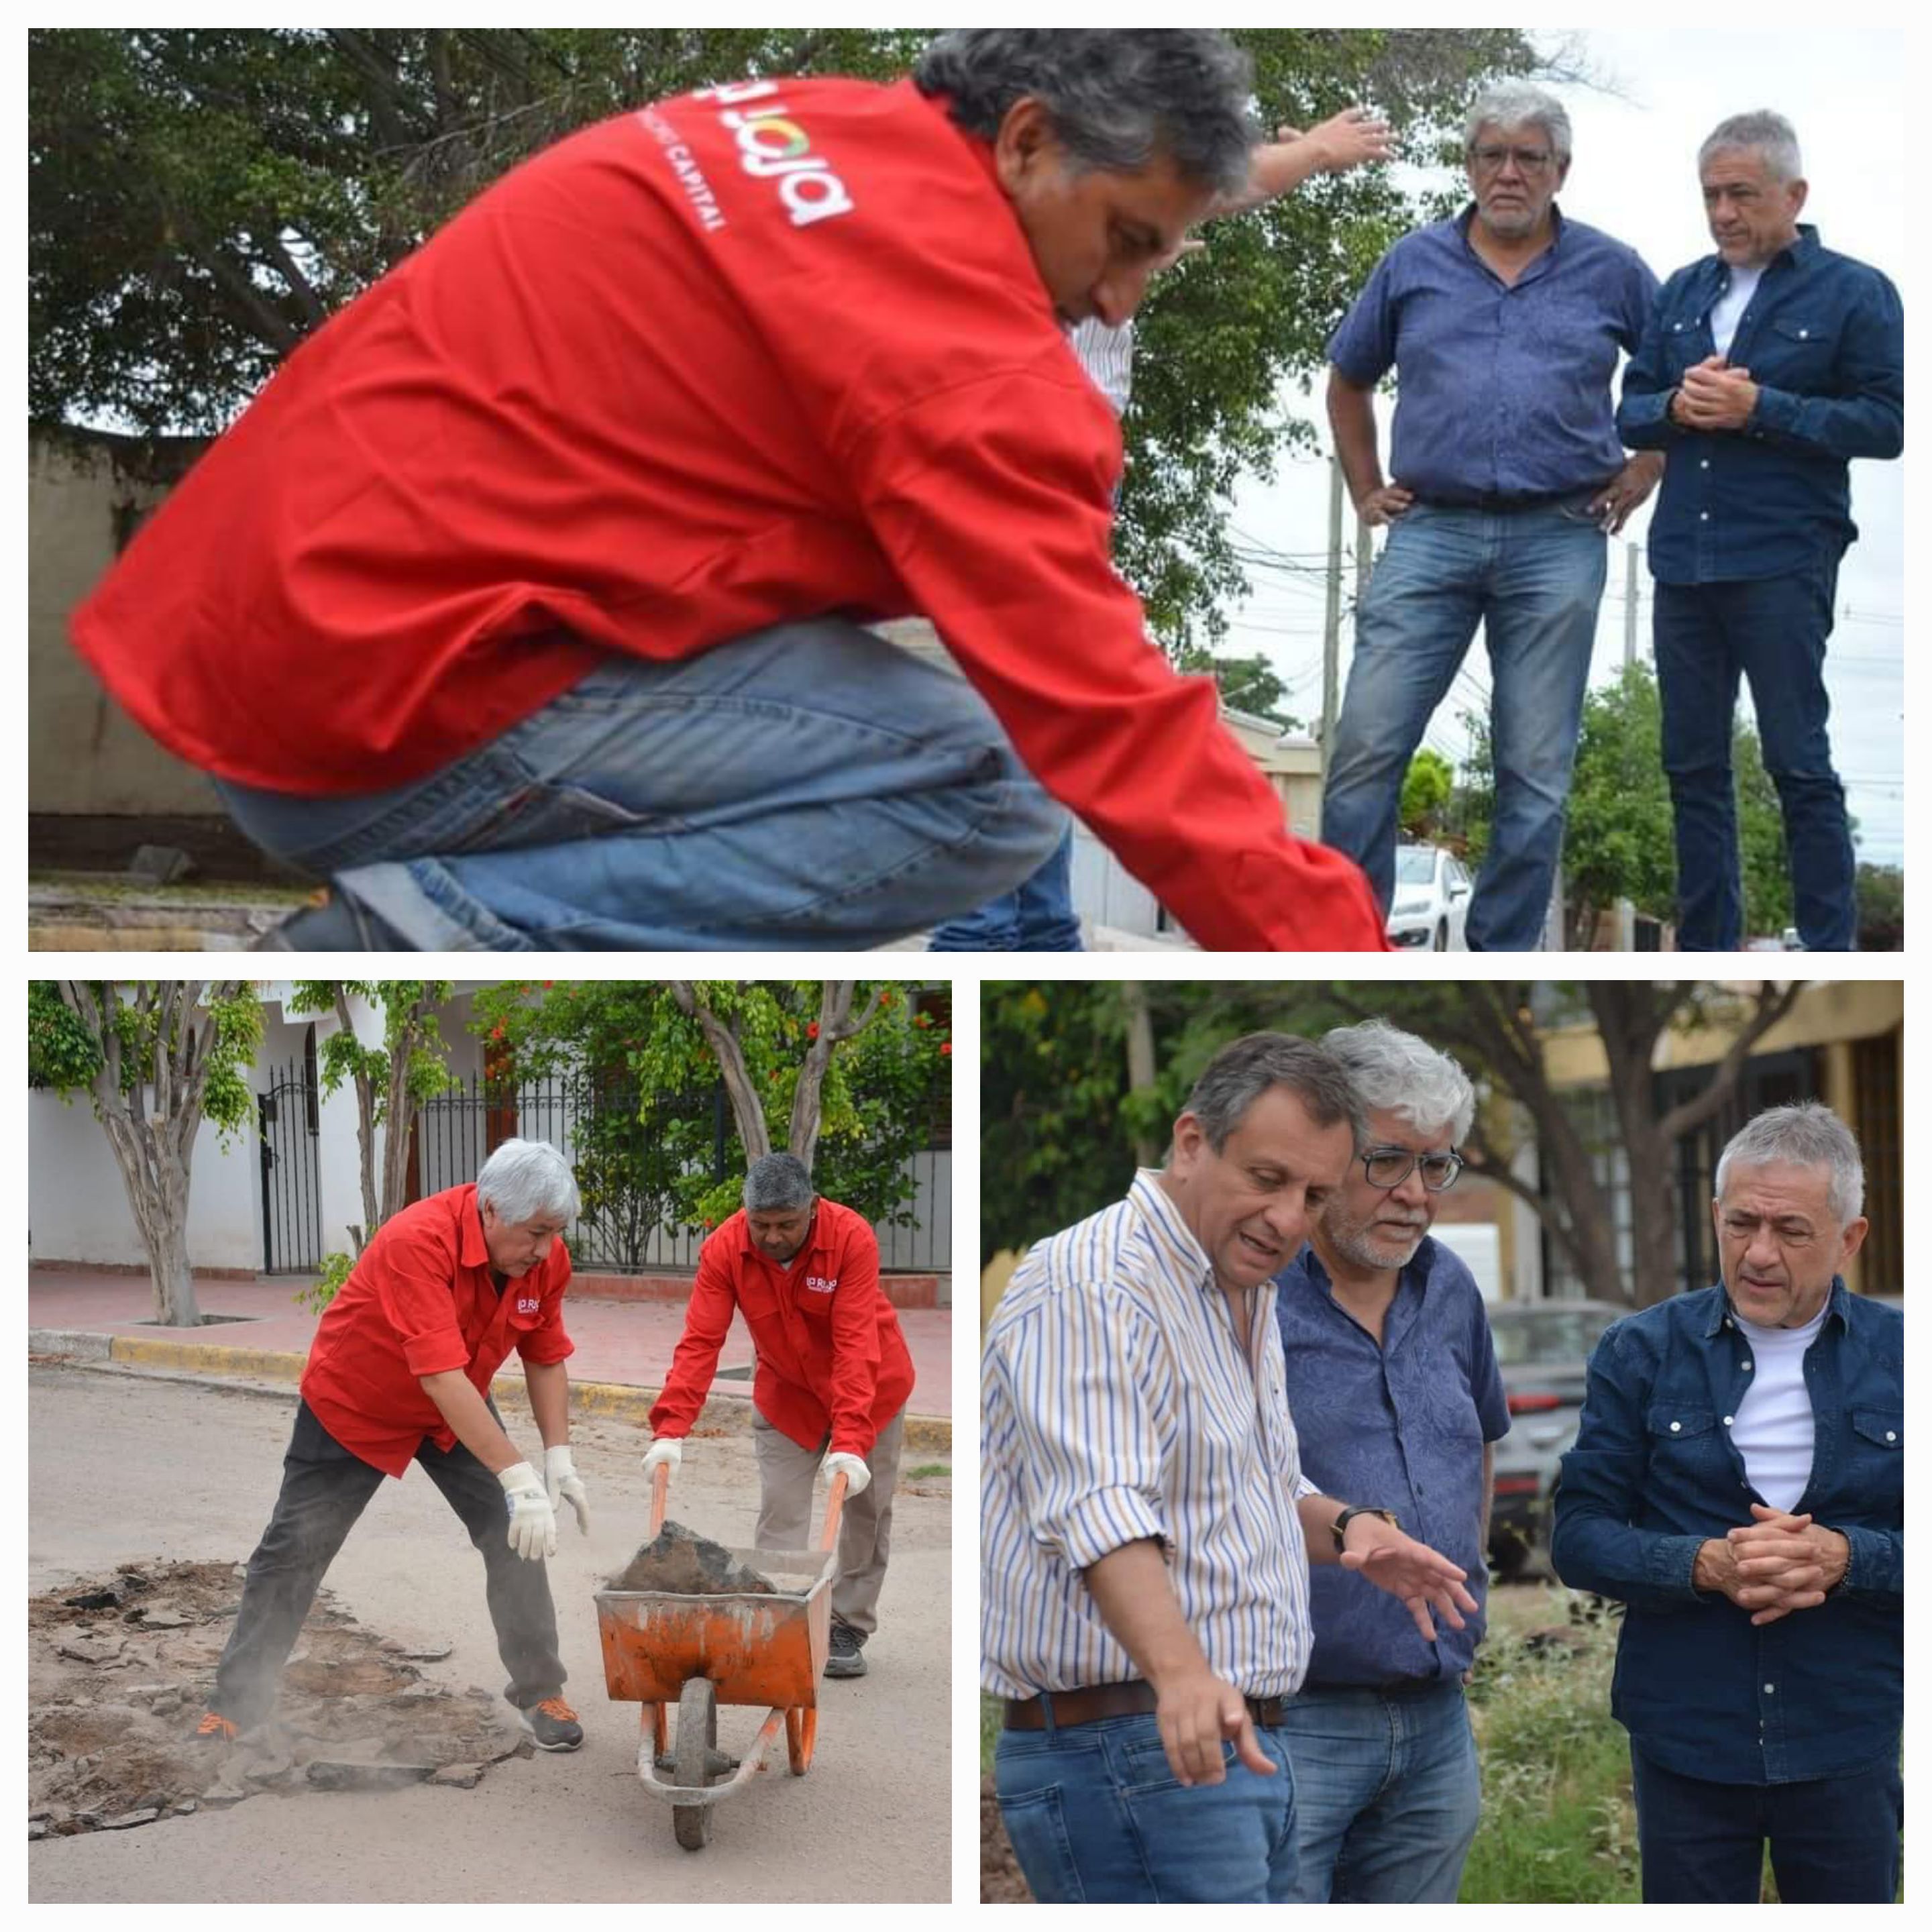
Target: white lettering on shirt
{"points": [[771, 145], [528, 1304], [817, 1284], [684, 165]]}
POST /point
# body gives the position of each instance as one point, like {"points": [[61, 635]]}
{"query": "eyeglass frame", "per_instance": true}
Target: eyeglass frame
{"points": [[1415, 1160], [1490, 156]]}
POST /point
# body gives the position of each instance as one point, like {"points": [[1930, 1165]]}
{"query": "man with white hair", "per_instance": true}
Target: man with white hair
{"points": [[400, 1371], [1503, 326], [1392, 1384], [1766, 369], [1738, 1481]]}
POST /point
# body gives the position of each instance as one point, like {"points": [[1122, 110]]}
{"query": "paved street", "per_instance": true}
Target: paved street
{"points": [[127, 1466]]}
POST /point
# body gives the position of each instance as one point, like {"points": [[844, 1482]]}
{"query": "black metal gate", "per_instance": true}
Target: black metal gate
{"points": [[291, 1173]]}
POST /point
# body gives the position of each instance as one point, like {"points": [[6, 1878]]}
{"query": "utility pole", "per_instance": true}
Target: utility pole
{"points": [[1331, 629], [1630, 604]]}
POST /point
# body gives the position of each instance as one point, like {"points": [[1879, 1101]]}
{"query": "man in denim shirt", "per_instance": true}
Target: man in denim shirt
{"points": [[1769, 366], [1503, 328], [1738, 1481], [1392, 1381]]}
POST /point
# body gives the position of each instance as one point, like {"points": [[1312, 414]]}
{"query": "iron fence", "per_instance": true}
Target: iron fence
{"points": [[290, 1148]]}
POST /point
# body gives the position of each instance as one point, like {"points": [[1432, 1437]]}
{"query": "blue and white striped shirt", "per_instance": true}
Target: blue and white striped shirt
{"points": [[1118, 1404]]}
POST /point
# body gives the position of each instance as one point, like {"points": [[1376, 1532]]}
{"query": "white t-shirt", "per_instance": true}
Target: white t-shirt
{"points": [[1730, 306], [1773, 1428]]}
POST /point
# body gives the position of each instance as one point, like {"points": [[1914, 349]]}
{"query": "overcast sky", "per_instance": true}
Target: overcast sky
{"points": [[1634, 175]]}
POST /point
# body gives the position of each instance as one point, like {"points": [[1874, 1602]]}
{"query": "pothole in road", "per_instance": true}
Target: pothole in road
{"points": [[120, 1668]]}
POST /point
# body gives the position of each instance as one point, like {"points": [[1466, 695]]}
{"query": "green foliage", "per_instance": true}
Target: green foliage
{"points": [[410, 1025], [201, 199], [138, 1018], [336, 1269], [1250, 684], [661, 1162], [1881, 909], [1426, 790]]}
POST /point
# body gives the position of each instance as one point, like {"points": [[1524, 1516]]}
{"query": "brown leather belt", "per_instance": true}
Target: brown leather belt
{"points": [[1097, 1701]]}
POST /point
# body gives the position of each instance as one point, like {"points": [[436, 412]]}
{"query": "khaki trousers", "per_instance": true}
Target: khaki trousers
{"points": [[786, 1520]]}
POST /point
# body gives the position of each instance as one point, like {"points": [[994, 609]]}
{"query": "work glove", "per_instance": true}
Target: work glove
{"points": [[565, 1485], [668, 1450], [533, 1521], [858, 1478]]}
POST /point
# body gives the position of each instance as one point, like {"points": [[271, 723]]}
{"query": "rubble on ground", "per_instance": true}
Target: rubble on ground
{"points": [[682, 1563], [120, 1668]]}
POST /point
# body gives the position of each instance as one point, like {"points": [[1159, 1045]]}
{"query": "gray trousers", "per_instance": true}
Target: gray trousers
{"points": [[786, 1521]]}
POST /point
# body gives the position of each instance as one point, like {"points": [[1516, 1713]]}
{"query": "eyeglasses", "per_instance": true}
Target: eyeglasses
{"points": [[1389, 1167], [1531, 160]]}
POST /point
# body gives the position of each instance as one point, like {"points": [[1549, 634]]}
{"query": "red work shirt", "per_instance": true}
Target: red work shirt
{"points": [[422, 1300], [764, 354], [831, 1358]]}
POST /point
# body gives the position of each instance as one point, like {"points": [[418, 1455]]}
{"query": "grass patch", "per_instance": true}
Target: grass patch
{"points": [[992, 1719], [928, 1469], [1558, 1824]]}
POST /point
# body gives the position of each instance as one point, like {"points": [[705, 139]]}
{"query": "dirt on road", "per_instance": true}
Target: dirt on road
{"points": [[119, 1670]]}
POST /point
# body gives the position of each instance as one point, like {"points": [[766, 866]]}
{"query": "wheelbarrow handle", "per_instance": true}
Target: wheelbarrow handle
{"points": [[834, 1505], [660, 1496]]}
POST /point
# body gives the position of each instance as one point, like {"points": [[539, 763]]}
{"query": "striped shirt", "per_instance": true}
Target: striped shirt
{"points": [[1107, 355], [1117, 1404]]}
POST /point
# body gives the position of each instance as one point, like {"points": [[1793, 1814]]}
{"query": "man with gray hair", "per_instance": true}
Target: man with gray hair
{"points": [[400, 1371], [1503, 327], [1768, 368], [1146, 1530], [1738, 1481], [542, 621], [834, 1376], [1392, 1382]]}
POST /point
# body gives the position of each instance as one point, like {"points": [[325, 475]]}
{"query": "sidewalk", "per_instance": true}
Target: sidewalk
{"points": [[623, 1348]]}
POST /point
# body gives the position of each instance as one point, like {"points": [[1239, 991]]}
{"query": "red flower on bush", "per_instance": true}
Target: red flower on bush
{"points": [[945, 1047], [496, 1032], [811, 1031]]}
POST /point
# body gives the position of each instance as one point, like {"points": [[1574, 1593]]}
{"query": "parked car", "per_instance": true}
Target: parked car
{"points": [[1431, 904], [1542, 1351]]}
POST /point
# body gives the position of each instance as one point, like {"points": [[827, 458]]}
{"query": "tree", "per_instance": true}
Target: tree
{"points": [[201, 199], [1250, 684], [1881, 909], [392, 1080], [155, 1057], [1426, 791], [1056, 1102], [1620, 840], [849, 1075]]}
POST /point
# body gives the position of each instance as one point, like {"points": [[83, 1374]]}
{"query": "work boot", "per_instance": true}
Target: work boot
{"points": [[553, 1725], [847, 1656], [215, 1729]]}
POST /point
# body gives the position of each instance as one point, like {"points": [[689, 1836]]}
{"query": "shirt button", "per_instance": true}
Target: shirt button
{"points": [[1675, 1426], [1729, 1420], [1803, 334], [1705, 465], [1769, 1688], [1891, 1436], [1703, 516], [1744, 1365]]}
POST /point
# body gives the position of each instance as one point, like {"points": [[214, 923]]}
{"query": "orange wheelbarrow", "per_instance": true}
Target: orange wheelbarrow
{"points": [[736, 1648]]}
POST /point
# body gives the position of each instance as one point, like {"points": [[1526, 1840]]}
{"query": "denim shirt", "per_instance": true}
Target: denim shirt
{"points": [[1502, 388], [1399, 1427], [1817, 1693], [1824, 339]]}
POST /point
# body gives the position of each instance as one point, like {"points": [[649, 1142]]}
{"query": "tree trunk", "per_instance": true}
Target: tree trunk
{"points": [[1141, 1069], [365, 1135]]}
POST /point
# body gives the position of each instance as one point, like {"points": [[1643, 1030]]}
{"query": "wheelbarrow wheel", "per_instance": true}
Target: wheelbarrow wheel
{"points": [[697, 1746]]}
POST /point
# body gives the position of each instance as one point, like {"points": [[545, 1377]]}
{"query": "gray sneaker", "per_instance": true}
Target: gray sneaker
{"points": [[847, 1657]]}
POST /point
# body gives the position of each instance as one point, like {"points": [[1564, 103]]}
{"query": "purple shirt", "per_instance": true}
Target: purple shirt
{"points": [[1501, 389]]}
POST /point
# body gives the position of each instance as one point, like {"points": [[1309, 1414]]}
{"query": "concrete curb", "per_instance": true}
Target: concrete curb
{"points": [[728, 1412]]}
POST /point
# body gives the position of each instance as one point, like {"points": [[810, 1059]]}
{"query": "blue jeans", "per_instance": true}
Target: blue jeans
{"points": [[1096, 1817], [807, 786], [1038, 917], [1532, 579], [1834, 1840], [1773, 631], [1387, 1795]]}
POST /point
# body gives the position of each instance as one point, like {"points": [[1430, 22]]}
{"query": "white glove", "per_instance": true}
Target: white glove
{"points": [[852, 1467], [668, 1450], [565, 1485], [533, 1521]]}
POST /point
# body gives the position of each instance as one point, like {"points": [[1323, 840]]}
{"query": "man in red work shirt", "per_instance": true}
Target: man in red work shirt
{"points": [[400, 1371], [527, 602], [833, 1376]]}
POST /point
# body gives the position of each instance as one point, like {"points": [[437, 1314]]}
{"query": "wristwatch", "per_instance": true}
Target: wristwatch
{"points": [[1339, 1528]]}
